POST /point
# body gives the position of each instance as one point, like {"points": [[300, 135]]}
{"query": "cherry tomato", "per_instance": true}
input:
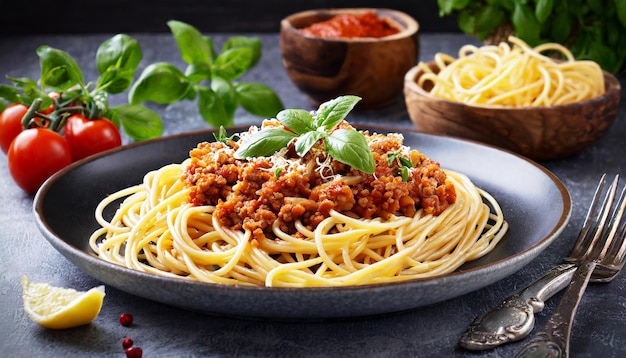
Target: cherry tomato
{"points": [[11, 124], [90, 136], [34, 155]]}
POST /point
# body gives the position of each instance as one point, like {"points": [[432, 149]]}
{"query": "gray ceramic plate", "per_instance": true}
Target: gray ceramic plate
{"points": [[535, 203]]}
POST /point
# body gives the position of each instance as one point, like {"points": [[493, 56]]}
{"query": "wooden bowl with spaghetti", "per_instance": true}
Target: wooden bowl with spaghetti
{"points": [[353, 51], [514, 97]]}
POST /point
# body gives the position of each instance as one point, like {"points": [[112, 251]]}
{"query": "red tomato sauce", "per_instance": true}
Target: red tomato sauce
{"points": [[351, 26]]}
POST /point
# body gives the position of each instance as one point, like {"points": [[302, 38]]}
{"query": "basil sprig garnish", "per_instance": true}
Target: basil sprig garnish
{"points": [[405, 164], [347, 146]]}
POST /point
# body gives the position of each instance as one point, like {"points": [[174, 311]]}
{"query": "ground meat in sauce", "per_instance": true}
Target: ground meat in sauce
{"points": [[252, 195]]}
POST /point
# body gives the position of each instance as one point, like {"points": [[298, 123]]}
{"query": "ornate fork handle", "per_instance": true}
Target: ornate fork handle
{"points": [[553, 339], [514, 318]]}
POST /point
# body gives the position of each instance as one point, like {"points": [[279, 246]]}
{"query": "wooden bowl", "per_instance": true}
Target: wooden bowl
{"points": [[372, 68], [539, 133]]}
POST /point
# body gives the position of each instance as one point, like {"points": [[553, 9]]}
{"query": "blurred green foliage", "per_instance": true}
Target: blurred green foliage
{"points": [[591, 29]]}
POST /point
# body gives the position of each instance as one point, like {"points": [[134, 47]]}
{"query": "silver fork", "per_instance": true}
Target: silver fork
{"points": [[514, 318], [608, 248]]}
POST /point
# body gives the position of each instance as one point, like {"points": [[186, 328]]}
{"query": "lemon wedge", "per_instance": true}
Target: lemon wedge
{"points": [[58, 307]]}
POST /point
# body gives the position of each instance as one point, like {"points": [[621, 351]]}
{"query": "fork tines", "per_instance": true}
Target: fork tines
{"points": [[600, 242]]}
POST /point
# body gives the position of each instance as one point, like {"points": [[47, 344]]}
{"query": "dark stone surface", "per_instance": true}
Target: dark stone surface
{"points": [[163, 331], [103, 16]]}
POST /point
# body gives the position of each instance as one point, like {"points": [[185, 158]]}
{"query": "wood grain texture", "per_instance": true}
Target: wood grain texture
{"points": [[542, 133], [373, 69]]}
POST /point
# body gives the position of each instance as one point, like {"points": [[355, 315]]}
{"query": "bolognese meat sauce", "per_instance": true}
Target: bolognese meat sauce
{"points": [[255, 193]]}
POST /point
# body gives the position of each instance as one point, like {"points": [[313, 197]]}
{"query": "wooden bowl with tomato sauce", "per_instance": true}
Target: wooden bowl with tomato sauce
{"points": [[327, 53]]}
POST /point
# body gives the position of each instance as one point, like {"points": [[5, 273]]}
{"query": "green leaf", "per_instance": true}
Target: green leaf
{"points": [[24, 90], [252, 43], [97, 105], [526, 25], [264, 143], [297, 120], [334, 111], [466, 22], [160, 83], [233, 63], [560, 27], [258, 99], [117, 60], [226, 92], [58, 69], [193, 47], [10, 94], [212, 108], [405, 162], [620, 7], [350, 147], [404, 173], [139, 122], [211, 47], [488, 19], [222, 135], [543, 9], [446, 7], [198, 72], [307, 140]]}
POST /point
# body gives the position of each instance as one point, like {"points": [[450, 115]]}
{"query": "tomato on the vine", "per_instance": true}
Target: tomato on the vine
{"points": [[53, 96], [11, 124], [34, 155], [90, 136]]}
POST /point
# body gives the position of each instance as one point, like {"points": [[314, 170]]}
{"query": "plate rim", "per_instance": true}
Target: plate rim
{"points": [[66, 248]]}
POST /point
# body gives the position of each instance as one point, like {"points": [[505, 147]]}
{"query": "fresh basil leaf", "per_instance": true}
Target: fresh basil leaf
{"points": [[620, 7], [252, 43], [97, 105], [258, 99], [543, 9], [447, 6], [391, 157], [233, 63], [404, 173], [211, 47], [3, 105], [488, 19], [198, 72], [334, 111], [212, 108], [117, 60], [306, 141], [507, 5], [160, 83], [405, 162], [30, 91], [222, 135], [560, 26], [58, 69], [277, 172], [526, 25], [466, 21], [193, 47], [10, 93], [139, 122], [264, 143], [297, 120], [350, 147], [226, 92]]}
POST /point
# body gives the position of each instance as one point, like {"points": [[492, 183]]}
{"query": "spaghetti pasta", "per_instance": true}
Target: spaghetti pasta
{"points": [[515, 76], [159, 229]]}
